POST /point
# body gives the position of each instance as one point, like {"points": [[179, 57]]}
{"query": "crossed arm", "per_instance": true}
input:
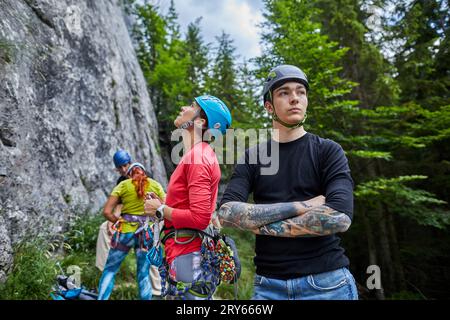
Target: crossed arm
{"points": [[309, 218]]}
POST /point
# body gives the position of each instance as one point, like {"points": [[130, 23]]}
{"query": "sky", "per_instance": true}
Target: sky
{"points": [[239, 18]]}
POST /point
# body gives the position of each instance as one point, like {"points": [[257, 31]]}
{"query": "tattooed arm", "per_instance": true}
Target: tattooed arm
{"points": [[251, 216], [318, 221], [291, 219], [326, 218]]}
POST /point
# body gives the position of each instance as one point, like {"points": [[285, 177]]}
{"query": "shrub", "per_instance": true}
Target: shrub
{"points": [[82, 232], [33, 273]]}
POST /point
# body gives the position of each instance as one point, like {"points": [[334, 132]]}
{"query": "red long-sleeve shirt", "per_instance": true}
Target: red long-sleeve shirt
{"points": [[192, 193]]}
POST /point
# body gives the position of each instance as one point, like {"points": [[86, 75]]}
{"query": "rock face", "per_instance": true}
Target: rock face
{"points": [[71, 94]]}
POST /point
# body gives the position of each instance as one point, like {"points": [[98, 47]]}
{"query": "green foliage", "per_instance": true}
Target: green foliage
{"points": [[179, 68], [85, 260], [299, 42], [422, 59], [370, 154], [37, 262], [372, 188], [379, 88], [409, 125], [82, 232], [223, 81], [33, 273], [80, 250], [346, 22], [412, 203], [198, 53], [149, 31]]}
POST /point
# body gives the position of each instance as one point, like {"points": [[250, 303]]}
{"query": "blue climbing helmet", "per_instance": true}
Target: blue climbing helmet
{"points": [[218, 114], [121, 157]]}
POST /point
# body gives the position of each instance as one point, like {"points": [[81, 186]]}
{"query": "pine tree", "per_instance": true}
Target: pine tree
{"points": [[250, 113], [422, 60], [299, 42], [198, 52], [420, 30], [223, 79], [393, 133], [165, 63], [352, 99], [171, 19], [149, 33]]}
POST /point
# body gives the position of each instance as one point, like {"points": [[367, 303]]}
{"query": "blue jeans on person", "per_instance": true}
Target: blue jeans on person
{"points": [[115, 258], [338, 284]]}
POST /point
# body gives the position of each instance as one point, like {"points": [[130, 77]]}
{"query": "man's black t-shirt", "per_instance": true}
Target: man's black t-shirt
{"points": [[308, 167]]}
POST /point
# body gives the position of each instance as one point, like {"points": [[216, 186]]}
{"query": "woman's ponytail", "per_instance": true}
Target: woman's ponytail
{"points": [[139, 180]]}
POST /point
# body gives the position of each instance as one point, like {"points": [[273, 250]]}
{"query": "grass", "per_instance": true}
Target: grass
{"points": [[37, 262]]}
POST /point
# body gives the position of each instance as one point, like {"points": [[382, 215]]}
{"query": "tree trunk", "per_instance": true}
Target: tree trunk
{"points": [[379, 293], [398, 267], [383, 239]]}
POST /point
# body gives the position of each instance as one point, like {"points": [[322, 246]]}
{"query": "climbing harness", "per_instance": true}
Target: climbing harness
{"points": [[220, 262], [144, 233]]}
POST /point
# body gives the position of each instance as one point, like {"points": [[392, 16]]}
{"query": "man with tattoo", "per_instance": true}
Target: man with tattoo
{"points": [[299, 209]]}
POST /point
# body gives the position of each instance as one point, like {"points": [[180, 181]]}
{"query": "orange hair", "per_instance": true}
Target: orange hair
{"points": [[140, 181]]}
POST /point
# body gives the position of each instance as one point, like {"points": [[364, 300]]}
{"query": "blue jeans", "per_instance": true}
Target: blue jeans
{"points": [[338, 284], [115, 258]]}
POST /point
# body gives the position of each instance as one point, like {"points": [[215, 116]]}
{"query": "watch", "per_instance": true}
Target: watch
{"points": [[160, 212]]}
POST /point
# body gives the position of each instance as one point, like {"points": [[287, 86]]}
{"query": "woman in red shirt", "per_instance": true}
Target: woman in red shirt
{"points": [[191, 197]]}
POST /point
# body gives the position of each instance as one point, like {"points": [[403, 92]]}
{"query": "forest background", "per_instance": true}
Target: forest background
{"points": [[380, 86], [380, 81]]}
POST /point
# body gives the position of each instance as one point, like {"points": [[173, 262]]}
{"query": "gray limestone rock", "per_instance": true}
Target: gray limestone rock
{"points": [[71, 94]]}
